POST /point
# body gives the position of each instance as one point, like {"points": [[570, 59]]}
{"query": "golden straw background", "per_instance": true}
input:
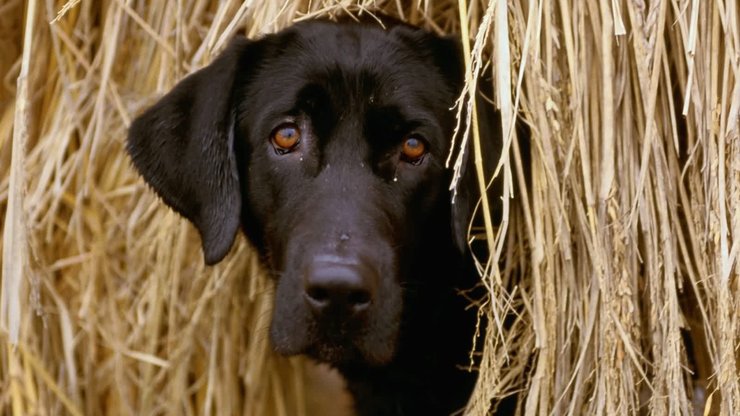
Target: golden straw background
{"points": [[613, 286]]}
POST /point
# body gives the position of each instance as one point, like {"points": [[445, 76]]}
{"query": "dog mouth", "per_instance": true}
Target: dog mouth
{"points": [[337, 351], [339, 304], [340, 334], [335, 339], [346, 352]]}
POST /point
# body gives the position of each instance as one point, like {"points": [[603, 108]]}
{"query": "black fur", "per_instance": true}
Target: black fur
{"points": [[343, 205]]}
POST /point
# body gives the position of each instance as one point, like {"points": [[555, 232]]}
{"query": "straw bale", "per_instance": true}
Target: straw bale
{"points": [[612, 284]]}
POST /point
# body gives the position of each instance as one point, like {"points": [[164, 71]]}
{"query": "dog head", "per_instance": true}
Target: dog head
{"points": [[327, 143]]}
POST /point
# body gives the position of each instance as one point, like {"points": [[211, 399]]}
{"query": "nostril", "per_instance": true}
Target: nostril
{"points": [[335, 286], [358, 299], [318, 295]]}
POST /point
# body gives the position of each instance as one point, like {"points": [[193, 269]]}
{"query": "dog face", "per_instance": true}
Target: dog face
{"points": [[327, 143]]}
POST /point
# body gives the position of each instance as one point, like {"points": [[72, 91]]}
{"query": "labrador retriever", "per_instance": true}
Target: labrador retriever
{"points": [[326, 144]]}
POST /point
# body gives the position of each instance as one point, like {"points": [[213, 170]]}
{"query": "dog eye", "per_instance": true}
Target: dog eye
{"points": [[414, 148], [285, 137]]}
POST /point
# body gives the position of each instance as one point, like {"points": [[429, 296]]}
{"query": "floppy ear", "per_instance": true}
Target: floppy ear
{"points": [[447, 54], [467, 193], [183, 147]]}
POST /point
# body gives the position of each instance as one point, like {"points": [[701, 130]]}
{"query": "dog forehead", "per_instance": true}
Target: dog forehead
{"points": [[349, 43], [320, 51]]}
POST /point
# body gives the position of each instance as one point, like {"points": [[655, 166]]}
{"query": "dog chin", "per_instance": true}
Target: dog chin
{"points": [[337, 351], [334, 354], [346, 354]]}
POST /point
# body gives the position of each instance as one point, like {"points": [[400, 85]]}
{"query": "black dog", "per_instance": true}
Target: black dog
{"points": [[327, 142]]}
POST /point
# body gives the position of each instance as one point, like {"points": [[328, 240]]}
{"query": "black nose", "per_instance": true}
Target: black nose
{"points": [[343, 287]]}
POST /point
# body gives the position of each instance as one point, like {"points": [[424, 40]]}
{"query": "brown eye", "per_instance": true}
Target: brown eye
{"points": [[414, 148], [285, 137]]}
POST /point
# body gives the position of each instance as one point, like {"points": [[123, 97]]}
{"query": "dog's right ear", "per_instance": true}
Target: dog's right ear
{"points": [[183, 147]]}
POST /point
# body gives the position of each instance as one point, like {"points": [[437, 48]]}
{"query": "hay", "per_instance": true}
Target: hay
{"points": [[615, 289]]}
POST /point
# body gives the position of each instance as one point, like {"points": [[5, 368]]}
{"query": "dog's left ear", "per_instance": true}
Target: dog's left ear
{"points": [[446, 53], [183, 147], [467, 194]]}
